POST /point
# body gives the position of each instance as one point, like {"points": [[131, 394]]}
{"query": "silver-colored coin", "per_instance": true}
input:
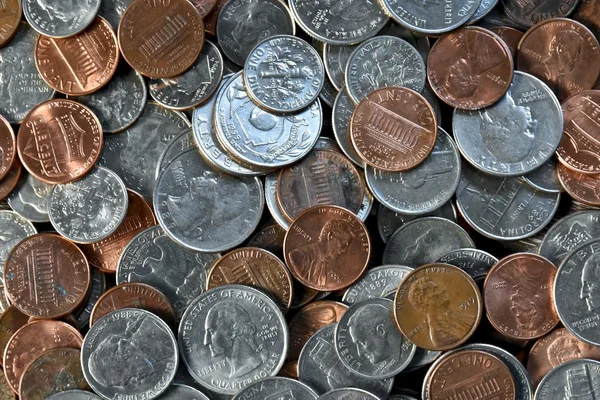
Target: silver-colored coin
{"points": [[178, 145], [576, 292], [277, 387], [30, 199], [514, 136], [320, 367], [343, 22], [74, 395], [503, 208], [376, 282], [21, 85], [271, 200], [242, 24], [545, 178], [527, 14], [129, 353], [343, 108], [261, 138], [90, 209], [384, 61], [422, 358], [194, 86], [156, 260], [431, 16], [476, 263], [424, 240], [135, 152], [112, 11], [348, 394], [14, 228], [232, 336], [328, 94], [97, 289], [283, 74], [576, 379], [424, 188], [182, 392], [400, 397], [368, 341], [119, 103], [335, 59], [485, 7], [568, 233], [205, 210], [60, 19], [418, 40]]}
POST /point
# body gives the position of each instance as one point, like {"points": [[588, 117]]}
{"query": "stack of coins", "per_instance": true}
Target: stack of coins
{"points": [[312, 199]]}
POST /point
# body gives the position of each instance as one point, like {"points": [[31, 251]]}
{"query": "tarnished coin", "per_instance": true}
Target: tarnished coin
{"points": [[242, 24], [46, 276], [510, 36], [343, 108], [587, 13], [561, 52], [10, 19], [438, 307], [129, 352], [161, 39], [269, 237], [60, 141], [74, 395], [574, 378], [384, 61], [348, 394], [424, 241], [584, 188], [195, 85], [545, 178], [154, 259], [476, 263], [368, 341], [210, 20], [237, 330], [14, 228], [375, 283], [60, 18], [518, 296], [273, 387], [204, 7], [503, 208], [96, 290], [11, 320], [7, 146], [527, 14], [182, 392], [30, 199], [90, 209], [532, 124], [112, 11]]}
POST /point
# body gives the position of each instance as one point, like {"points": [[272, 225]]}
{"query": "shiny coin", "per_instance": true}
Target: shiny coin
{"points": [[11, 321], [97, 289], [30, 199], [59, 18], [7, 147], [14, 228], [10, 18], [545, 178], [526, 14], [74, 395], [348, 394], [129, 352], [182, 392], [476, 263], [577, 376], [112, 11], [8, 184], [510, 36], [581, 187], [376, 283], [270, 387]]}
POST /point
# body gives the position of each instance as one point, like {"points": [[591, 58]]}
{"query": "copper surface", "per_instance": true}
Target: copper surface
{"points": [[46, 276], [8, 147], [11, 320], [510, 36], [270, 238], [393, 129], [10, 181], [289, 370], [10, 20], [327, 248], [59, 141], [210, 21], [470, 68], [581, 187], [204, 7]]}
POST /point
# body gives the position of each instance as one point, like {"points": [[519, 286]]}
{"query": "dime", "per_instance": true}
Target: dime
{"points": [[30, 199], [7, 146], [577, 376], [348, 394], [582, 187], [561, 52], [376, 283], [10, 18], [182, 392], [368, 341], [425, 240], [527, 15], [8, 184], [96, 290], [60, 19], [59, 141], [283, 74], [210, 20], [269, 387], [11, 320], [476, 263], [112, 11], [14, 229], [343, 108], [271, 200], [545, 178], [194, 86], [129, 352], [510, 36], [91, 209], [438, 307], [154, 259], [381, 62], [242, 24], [74, 395], [239, 331], [327, 248], [335, 60]]}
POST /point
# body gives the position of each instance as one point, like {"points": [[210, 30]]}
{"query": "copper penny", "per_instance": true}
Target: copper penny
{"points": [[79, 64], [321, 178], [7, 147], [11, 320], [555, 349], [438, 306], [588, 13], [581, 187], [393, 129], [210, 21], [6, 392], [470, 374], [289, 370], [579, 148], [518, 296], [270, 238], [10, 18], [134, 295], [561, 52], [46, 276], [327, 248], [60, 141], [31, 341], [309, 320], [254, 267], [161, 39], [105, 254], [204, 7], [510, 36], [10, 181]]}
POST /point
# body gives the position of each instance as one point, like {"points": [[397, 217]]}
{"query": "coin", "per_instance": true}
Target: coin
{"points": [[582, 187], [335, 59], [129, 352], [11, 320], [10, 18], [269, 387], [96, 290], [476, 263], [587, 13], [60, 19], [210, 20], [343, 108], [112, 11], [182, 392], [376, 283], [6, 392], [177, 145], [270, 237], [74, 395], [8, 184], [526, 14], [577, 376], [30, 199], [7, 146], [271, 200], [348, 394], [59, 141], [438, 307], [484, 8], [510, 36], [545, 178], [14, 229]]}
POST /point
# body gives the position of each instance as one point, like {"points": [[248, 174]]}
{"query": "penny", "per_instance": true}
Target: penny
{"points": [[96, 290], [33, 340], [74, 395], [30, 199], [257, 268], [376, 283], [59, 141], [14, 229], [438, 307], [510, 36], [270, 238], [545, 178], [112, 11], [327, 248], [528, 14], [269, 387], [60, 19], [210, 20], [10, 182], [204, 7], [290, 370], [7, 147], [561, 52], [582, 187], [10, 18], [129, 352], [476, 263], [573, 377], [52, 372], [343, 108], [11, 320]]}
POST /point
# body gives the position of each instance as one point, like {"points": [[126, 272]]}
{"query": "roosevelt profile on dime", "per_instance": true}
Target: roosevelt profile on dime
{"points": [[590, 284]]}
